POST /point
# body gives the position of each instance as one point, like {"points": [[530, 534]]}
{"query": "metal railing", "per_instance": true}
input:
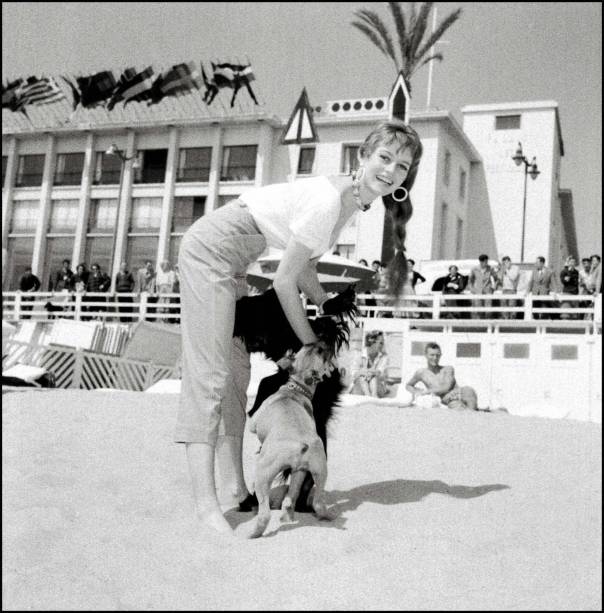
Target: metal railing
{"points": [[132, 307]]}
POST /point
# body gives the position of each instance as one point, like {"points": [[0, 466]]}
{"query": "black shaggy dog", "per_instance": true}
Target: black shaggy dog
{"points": [[263, 326]]}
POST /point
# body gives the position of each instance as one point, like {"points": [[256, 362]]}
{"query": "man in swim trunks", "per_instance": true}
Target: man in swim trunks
{"points": [[440, 384]]}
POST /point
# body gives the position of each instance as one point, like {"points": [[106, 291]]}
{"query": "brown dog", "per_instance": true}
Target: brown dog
{"points": [[285, 426]]}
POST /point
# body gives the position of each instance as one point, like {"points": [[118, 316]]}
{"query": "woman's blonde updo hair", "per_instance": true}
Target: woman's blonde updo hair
{"points": [[400, 212]]}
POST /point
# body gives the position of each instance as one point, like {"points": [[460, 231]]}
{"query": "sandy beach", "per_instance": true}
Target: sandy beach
{"points": [[437, 510]]}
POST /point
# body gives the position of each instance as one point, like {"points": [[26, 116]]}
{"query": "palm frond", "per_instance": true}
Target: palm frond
{"points": [[398, 16], [447, 22], [374, 21], [419, 29], [434, 56], [373, 37]]}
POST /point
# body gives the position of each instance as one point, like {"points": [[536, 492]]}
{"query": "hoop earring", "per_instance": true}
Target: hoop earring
{"points": [[404, 189]]}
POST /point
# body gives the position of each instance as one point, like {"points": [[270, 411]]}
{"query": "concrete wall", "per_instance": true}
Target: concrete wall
{"points": [[505, 181]]}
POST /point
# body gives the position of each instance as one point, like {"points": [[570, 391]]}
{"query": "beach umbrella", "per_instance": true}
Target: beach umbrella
{"points": [[328, 264], [330, 283]]}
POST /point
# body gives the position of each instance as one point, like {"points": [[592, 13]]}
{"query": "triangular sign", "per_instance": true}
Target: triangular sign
{"points": [[300, 127], [399, 101]]}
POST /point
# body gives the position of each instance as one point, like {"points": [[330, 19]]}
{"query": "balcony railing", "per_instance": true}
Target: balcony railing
{"points": [[468, 309]]}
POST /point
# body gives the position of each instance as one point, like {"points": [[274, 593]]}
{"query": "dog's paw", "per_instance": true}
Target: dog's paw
{"points": [[287, 508], [322, 512]]}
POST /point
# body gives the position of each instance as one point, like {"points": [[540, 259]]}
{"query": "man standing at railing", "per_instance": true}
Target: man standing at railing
{"points": [[164, 281], [569, 278], [482, 281], [98, 281], [145, 282], [507, 281], [540, 284], [124, 284], [28, 283], [62, 279]]}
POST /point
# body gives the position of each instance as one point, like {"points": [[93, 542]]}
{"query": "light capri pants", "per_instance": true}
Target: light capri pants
{"points": [[214, 255]]}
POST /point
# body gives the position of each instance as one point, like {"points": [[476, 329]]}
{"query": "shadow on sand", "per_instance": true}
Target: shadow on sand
{"points": [[397, 491]]}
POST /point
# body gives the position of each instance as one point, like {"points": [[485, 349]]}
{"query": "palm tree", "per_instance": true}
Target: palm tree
{"points": [[410, 31]]}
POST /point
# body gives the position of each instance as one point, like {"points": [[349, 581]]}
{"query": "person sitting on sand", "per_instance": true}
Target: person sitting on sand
{"points": [[370, 378], [440, 384]]}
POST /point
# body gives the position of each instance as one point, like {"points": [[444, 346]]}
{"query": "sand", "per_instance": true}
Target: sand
{"points": [[437, 510]]}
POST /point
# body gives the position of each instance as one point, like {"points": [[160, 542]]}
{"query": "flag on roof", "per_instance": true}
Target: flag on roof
{"points": [[95, 89], [226, 74], [9, 93], [132, 86], [178, 80], [36, 91]]}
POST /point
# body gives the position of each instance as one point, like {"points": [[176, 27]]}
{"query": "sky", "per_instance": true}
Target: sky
{"points": [[495, 52]]}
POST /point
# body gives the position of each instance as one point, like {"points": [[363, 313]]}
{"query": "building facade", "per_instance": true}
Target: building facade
{"points": [[65, 197]]}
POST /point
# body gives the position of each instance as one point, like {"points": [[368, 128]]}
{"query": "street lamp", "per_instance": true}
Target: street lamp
{"points": [[530, 168], [124, 159]]}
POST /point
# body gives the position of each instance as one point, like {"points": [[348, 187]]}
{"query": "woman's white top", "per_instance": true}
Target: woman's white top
{"points": [[306, 209]]}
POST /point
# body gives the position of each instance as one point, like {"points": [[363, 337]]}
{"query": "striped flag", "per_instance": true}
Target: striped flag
{"points": [[225, 74], [37, 91], [9, 94], [178, 80], [132, 86]]}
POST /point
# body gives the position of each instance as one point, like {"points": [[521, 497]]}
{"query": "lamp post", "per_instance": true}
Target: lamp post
{"points": [[115, 150], [519, 158]]}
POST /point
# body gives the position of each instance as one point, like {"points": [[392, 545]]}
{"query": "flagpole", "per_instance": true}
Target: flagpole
{"points": [[431, 66]]}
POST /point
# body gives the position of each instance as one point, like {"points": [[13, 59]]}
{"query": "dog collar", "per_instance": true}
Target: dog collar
{"points": [[296, 387]]}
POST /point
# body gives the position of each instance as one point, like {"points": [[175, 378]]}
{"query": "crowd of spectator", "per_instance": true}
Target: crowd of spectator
{"points": [[498, 279], [88, 282]]}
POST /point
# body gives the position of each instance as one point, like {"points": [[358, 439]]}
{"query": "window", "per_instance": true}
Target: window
{"points": [[350, 159], [518, 351], [444, 213], [140, 249], [103, 215], [99, 250], [57, 250], [507, 122], [565, 352], [417, 348], [107, 169], [63, 215], [468, 350], [146, 214], [69, 169], [194, 164], [25, 216], [4, 165], [462, 184], [18, 257], [459, 238], [447, 168], [239, 163], [30, 171], [306, 160], [187, 210], [152, 167], [346, 250], [222, 200]]}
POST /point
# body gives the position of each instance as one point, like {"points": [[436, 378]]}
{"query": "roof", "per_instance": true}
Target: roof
{"points": [[182, 110]]}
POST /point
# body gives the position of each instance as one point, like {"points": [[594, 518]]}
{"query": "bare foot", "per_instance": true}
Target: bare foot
{"points": [[211, 517]]}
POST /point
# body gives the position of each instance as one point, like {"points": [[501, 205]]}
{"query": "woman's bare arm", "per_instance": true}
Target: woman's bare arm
{"points": [[295, 258]]}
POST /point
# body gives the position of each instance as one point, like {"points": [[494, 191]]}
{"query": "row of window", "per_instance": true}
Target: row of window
{"points": [[145, 214], [444, 233], [511, 351], [97, 249], [238, 164]]}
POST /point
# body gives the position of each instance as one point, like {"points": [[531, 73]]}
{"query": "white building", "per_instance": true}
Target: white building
{"points": [[64, 197]]}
